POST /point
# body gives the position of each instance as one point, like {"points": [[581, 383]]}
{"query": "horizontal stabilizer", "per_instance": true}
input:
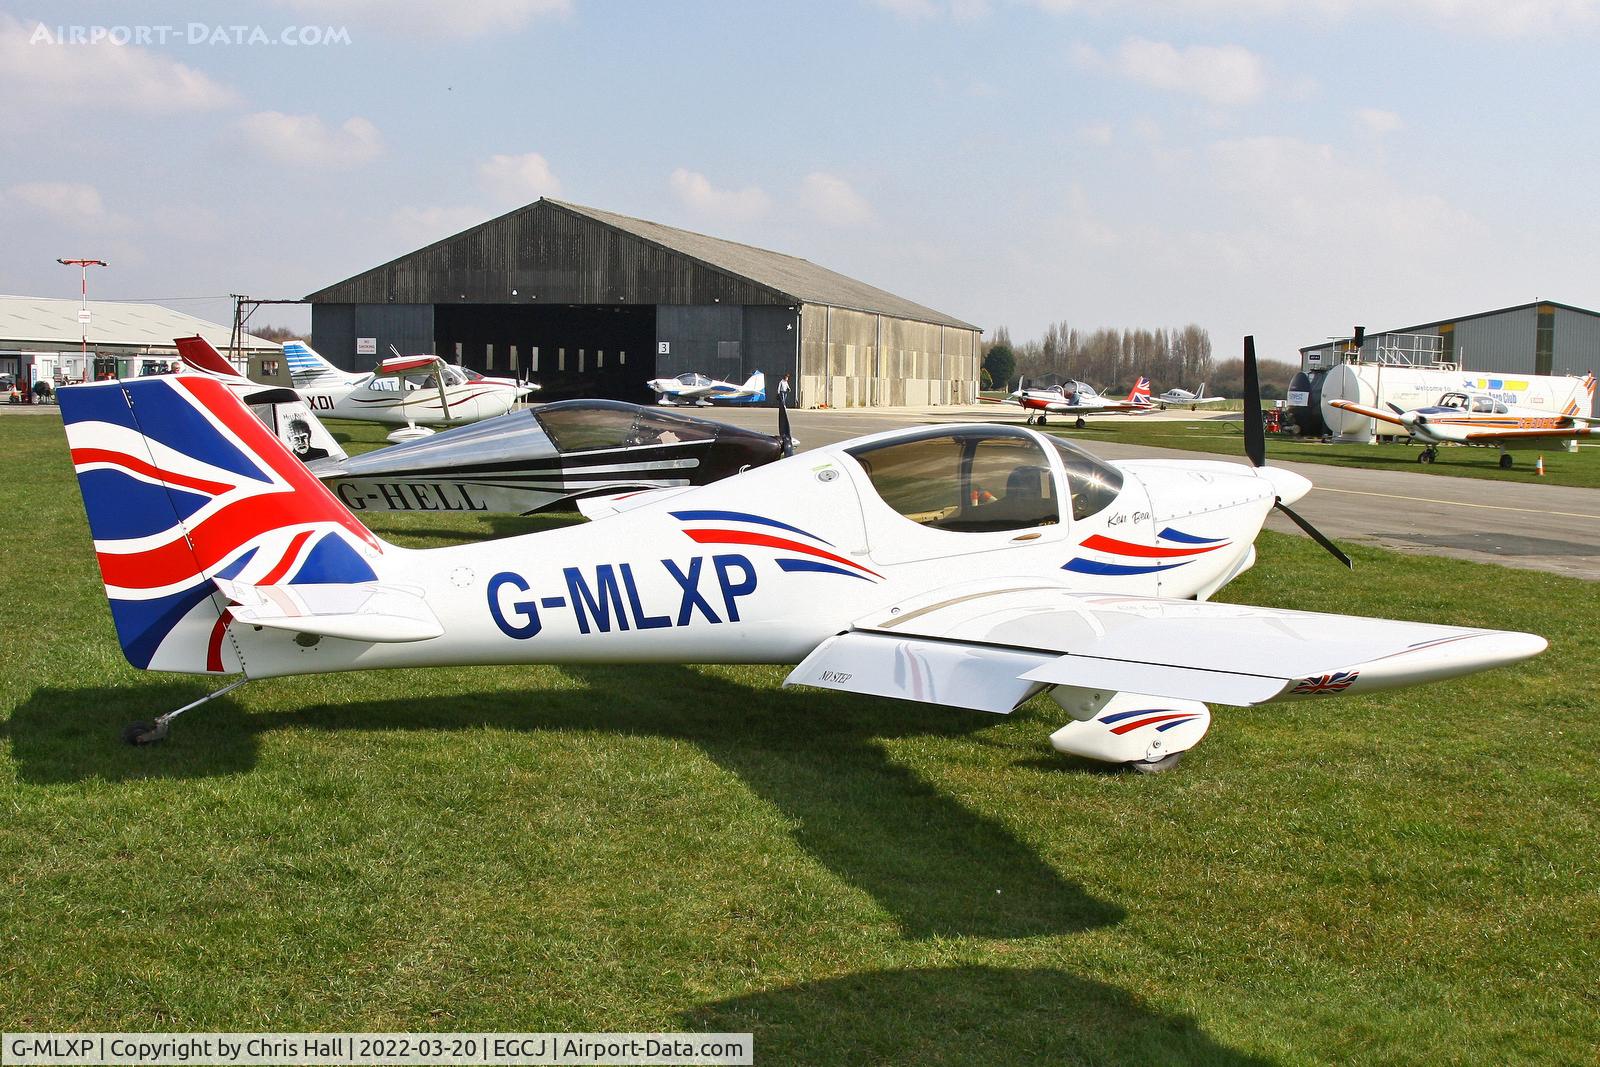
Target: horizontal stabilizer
{"points": [[361, 611]]}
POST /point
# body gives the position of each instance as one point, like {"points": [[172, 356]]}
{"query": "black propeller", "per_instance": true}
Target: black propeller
{"points": [[1255, 447], [783, 426]]}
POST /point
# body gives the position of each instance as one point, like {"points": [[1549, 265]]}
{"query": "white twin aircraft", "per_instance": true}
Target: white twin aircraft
{"points": [[971, 566], [1179, 397]]}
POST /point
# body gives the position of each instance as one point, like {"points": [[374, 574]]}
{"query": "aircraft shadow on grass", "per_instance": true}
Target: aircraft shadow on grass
{"points": [[941, 869], [971, 1014]]}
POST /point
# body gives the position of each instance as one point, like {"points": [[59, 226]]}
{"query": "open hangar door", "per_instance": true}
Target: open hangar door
{"points": [[571, 350]]}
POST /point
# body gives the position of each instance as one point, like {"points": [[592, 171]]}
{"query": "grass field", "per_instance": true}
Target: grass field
{"points": [[1400, 878], [1581, 468]]}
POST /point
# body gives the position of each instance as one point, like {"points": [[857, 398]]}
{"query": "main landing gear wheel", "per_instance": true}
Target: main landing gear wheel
{"points": [[1146, 766], [1427, 455], [1505, 461], [1081, 424]]}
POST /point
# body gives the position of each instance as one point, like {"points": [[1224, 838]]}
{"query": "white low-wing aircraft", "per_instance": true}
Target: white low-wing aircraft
{"points": [[1078, 399], [1180, 397], [692, 388], [970, 566], [420, 390], [1469, 418]]}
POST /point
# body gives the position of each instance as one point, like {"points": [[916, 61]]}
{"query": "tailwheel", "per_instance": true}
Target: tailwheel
{"points": [[1081, 424], [144, 733], [1505, 461]]}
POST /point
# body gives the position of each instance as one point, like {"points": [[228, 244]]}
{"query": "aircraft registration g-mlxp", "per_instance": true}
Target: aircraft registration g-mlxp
{"points": [[971, 566]]}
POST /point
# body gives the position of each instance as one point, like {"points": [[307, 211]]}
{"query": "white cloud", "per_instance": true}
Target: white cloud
{"points": [[831, 200], [696, 191], [429, 18], [1304, 192], [518, 179], [960, 10], [1223, 75], [305, 140], [1499, 18], [1379, 121], [418, 226], [63, 201], [103, 76], [1099, 133]]}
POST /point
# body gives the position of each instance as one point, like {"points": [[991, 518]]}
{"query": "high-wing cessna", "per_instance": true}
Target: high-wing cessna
{"points": [[1480, 419], [411, 391], [692, 388], [1079, 399], [970, 566], [1180, 397]]}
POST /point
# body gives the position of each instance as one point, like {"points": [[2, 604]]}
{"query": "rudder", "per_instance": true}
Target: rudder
{"points": [[182, 484]]}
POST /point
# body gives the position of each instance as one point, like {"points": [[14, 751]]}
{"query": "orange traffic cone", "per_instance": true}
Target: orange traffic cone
{"points": [[1538, 468]]}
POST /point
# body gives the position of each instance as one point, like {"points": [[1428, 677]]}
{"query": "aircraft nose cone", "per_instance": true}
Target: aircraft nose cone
{"points": [[1286, 485]]}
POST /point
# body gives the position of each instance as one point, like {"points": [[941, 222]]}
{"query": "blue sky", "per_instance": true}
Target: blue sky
{"points": [[1267, 166]]}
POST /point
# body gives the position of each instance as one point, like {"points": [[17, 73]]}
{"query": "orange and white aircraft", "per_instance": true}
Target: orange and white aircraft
{"points": [[1078, 398], [1470, 418]]}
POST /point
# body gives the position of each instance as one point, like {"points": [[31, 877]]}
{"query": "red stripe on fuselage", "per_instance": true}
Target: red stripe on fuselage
{"points": [[1102, 543], [740, 537]]}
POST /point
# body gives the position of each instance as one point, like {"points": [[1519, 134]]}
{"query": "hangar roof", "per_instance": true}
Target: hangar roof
{"points": [[512, 243], [42, 320], [799, 278]]}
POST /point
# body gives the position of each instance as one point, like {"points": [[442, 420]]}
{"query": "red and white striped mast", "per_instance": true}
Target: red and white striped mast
{"points": [[83, 266]]}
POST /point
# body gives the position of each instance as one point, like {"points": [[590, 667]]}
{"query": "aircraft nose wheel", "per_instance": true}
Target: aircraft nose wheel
{"points": [[1147, 766], [1505, 461], [1427, 455]]}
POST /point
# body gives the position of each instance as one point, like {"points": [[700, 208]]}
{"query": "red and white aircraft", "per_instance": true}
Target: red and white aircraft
{"points": [[970, 566], [1079, 399], [1470, 418], [412, 391]]}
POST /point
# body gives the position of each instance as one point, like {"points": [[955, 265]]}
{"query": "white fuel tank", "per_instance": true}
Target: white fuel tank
{"points": [[1379, 385]]}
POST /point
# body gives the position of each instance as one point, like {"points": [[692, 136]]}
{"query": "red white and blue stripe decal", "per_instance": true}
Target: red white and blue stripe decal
{"points": [[1109, 556], [1337, 682], [1162, 719], [808, 556], [182, 483]]}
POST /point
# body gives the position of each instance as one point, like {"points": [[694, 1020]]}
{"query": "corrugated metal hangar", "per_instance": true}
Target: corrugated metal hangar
{"points": [[589, 303], [1537, 338]]}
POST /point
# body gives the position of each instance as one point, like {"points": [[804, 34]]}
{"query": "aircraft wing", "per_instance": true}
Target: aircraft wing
{"points": [[362, 611], [990, 645], [1371, 413]]}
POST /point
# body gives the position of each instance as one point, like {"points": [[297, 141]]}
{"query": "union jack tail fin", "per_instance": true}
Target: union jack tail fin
{"points": [[308, 370], [184, 486], [1139, 395]]}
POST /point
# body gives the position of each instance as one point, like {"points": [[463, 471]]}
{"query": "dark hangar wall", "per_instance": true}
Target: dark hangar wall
{"points": [[545, 254]]}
